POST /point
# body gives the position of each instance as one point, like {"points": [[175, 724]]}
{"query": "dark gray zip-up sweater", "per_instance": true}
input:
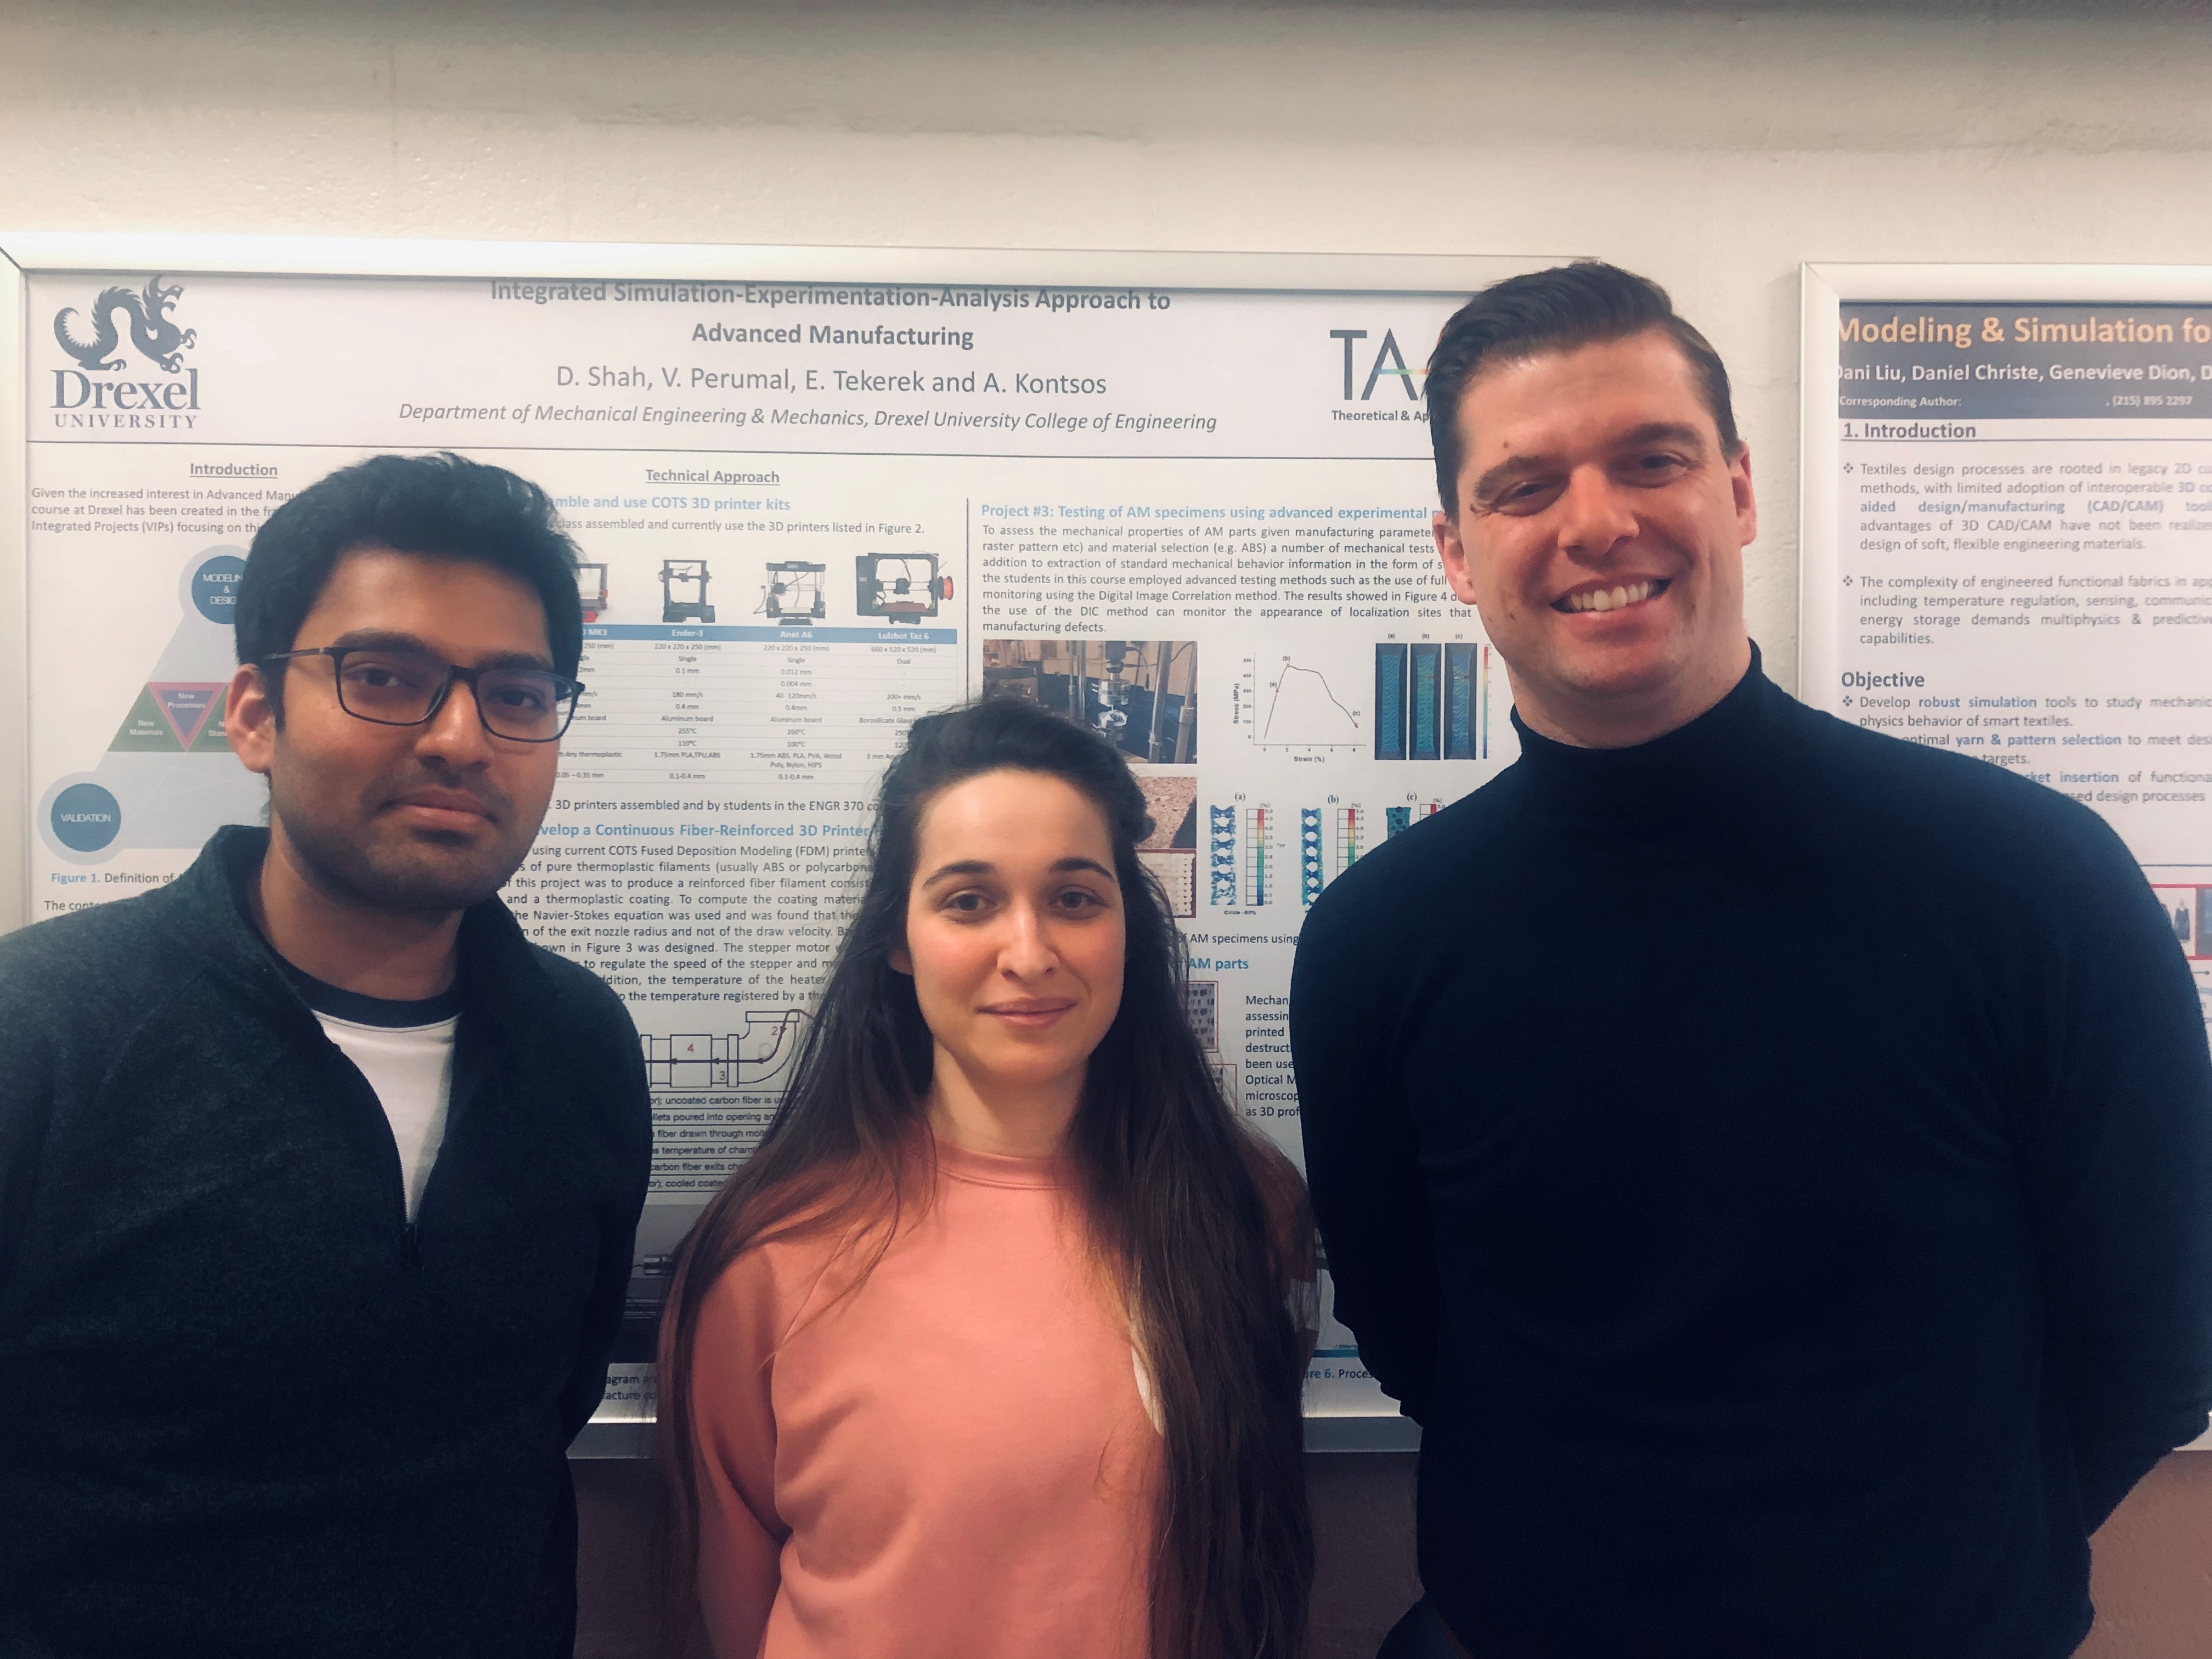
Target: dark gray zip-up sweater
{"points": [[249, 1409]]}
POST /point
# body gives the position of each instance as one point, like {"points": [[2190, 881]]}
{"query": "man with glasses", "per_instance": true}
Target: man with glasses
{"points": [[318, 1182]]}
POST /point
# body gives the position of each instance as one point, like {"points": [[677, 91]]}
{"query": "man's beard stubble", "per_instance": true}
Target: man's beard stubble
{"points": [[395, 870]]}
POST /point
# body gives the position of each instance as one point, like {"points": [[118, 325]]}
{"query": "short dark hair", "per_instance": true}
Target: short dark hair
{"points": [[1562, 309], [438, 506]]}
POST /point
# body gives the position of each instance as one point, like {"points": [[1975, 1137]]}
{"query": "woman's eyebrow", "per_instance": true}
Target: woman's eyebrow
{"points": [[960, 867]]}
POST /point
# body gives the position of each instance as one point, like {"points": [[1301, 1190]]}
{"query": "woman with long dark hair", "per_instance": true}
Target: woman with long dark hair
{"points": [[993, 1350]]}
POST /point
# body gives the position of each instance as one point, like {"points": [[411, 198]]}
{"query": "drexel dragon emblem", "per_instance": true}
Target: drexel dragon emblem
{"points": [[151, 330]]}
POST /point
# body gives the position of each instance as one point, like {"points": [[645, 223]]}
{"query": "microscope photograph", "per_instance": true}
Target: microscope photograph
{"points": [[1143, 694]]}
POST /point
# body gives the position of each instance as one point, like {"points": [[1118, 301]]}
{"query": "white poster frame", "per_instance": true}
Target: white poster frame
{"points": [[24, 255], [1824, 289]]}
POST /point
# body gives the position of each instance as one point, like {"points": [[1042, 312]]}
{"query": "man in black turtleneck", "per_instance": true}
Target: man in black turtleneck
{"points": [[1773, 1162]]}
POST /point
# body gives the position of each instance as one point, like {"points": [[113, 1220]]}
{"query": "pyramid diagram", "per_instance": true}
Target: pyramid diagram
{"points": [[168, 778], [175, 718]]}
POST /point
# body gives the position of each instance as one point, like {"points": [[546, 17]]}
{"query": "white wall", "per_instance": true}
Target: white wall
{"points": [[1713, 149]]}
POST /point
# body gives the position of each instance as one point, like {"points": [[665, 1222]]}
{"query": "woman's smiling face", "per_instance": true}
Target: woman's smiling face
{"points": [[1014, 929]]}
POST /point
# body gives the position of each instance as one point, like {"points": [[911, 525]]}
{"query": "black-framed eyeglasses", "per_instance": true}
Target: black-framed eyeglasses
{"points": [[393, 686]]}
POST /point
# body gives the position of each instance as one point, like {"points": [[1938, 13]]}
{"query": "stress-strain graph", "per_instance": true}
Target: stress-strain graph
{"points": [[1289, 704]]}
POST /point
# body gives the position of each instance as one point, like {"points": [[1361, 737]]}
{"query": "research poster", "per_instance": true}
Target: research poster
{"points": [[2008, 536], [1195, 518]]}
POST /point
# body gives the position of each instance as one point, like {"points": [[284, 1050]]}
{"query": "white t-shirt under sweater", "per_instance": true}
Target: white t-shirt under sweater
{"points": [[405, 1050]]}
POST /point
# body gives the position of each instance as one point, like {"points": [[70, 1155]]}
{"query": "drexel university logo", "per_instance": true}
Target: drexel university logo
{"points": [[82, 400]]}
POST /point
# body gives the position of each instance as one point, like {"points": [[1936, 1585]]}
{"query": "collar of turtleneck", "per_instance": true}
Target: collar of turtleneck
{"points": [[1708, 762]]}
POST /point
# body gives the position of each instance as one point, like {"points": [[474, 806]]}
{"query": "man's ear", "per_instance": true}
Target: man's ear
{"points": [[1747, 507], [249, 719], [1453, 551]]}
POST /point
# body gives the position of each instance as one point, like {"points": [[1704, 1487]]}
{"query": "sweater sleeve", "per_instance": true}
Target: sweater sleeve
{"points": [[630, 1110], [734, 1448], [26, 1103], [1363, 1155], [603, 1314], [2118, 1167], [1291, 1239]]}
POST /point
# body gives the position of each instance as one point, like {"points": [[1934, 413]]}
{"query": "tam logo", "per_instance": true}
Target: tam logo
{"points": [[1389, 363]]}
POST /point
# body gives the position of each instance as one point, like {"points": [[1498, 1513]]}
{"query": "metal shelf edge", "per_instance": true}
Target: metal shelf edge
{"points": [[633, 1439]]}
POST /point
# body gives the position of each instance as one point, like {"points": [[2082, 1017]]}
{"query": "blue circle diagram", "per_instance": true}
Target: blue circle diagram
{"points": [[214, 587], [86, 817]]}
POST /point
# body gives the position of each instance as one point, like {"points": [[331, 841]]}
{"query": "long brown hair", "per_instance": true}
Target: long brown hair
{"points": [[1176, 1192]]}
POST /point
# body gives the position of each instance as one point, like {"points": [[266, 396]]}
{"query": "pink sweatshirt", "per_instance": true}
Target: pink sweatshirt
{"points": [[955, 1462]]}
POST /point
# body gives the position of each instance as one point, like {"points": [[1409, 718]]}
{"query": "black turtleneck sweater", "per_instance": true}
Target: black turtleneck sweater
{"points": [[1774, 1164]]}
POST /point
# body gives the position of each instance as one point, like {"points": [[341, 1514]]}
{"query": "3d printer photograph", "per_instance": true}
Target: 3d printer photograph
{"points": [[792, 595], [684, 592], [900, 587], [592, 590], [1143, 694]]}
